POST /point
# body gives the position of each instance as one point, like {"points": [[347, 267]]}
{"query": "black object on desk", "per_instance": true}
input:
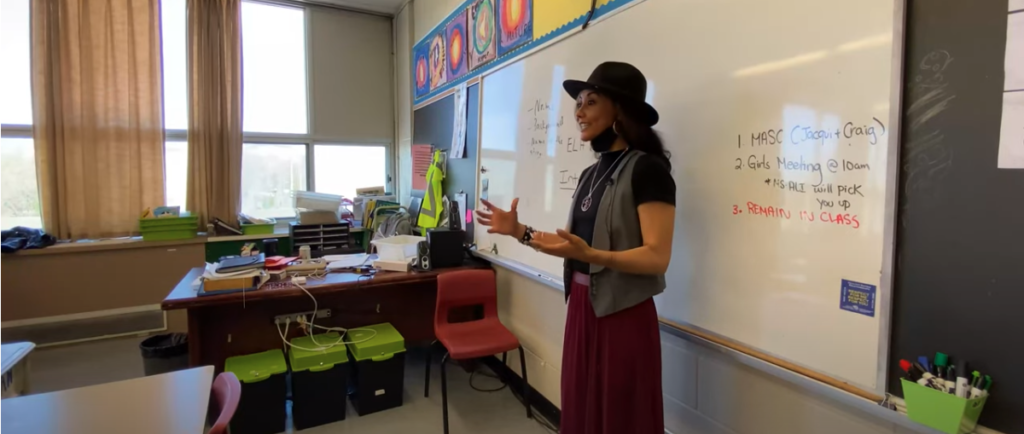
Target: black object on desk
{"points": [[270, 246], [445, 247]]}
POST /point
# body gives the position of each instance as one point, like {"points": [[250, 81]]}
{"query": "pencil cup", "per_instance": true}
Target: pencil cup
{"points": [[942, 411]]}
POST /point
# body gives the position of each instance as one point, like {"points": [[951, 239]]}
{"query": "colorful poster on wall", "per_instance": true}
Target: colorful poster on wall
{"points": [[421, 70], [456, 37], [482, 35], [438, 66], [515, 24]]}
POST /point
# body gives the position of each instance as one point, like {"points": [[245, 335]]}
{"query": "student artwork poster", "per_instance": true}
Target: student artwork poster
{"points": [[421, 70], [457, 40], [515, 24], [482, 35]]}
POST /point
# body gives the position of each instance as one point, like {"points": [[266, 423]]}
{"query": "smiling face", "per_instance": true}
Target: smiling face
{"points": [[594, 114]]}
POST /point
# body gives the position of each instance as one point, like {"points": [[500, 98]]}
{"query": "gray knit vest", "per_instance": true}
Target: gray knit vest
{"points": [[616, 228]]}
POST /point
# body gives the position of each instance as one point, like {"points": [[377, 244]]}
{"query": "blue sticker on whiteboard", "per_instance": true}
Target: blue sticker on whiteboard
{"points": [[857, 297]]}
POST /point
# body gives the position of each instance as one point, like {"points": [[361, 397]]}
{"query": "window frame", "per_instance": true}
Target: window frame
{"points": [[310, 139]]}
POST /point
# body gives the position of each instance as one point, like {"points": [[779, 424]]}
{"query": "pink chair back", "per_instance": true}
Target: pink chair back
{"points": [[227, 391]]}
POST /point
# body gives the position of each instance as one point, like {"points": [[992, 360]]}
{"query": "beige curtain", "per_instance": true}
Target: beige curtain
{"points": [[98, 114], [215, 109]]}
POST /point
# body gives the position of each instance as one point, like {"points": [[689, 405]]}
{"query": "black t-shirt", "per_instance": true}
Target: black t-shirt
{"points": [[652, 182]]}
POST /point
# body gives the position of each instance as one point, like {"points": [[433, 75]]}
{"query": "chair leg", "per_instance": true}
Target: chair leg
{"points": [[426, 382], [526, 383], [444, 392]]}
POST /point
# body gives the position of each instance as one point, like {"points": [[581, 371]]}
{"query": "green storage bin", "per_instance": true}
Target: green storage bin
{"points": [[319, 380], [249, 229], [377, 347], [177, 234], [378, 372], [254, 368], [942, 411], [262, 409], [186, 219], [303, 358]]}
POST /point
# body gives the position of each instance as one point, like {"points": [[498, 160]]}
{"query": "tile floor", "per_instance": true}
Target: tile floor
{"points": [[469, 411]]}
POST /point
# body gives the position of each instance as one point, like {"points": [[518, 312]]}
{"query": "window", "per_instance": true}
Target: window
{"points": [[274, 69], [281, 154], [342, 169], [173, 29], [18, 177], [19, 198], [271, 173], [175, 172]]}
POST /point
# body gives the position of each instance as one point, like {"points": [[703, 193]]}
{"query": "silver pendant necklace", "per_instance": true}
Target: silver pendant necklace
{"points": [[589, 200]]}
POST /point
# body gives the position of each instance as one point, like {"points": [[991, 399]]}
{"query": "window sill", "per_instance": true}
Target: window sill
{"points": [[114, 244]]}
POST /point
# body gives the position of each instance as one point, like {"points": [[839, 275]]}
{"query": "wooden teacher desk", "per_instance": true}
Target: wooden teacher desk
{"points": [[226, 325]]}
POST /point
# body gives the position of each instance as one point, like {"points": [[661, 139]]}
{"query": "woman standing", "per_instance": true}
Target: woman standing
{"points": [[617, 246]]}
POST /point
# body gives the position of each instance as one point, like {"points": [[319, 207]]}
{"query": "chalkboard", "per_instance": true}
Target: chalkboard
{"points": [[960, 235], [433, 125]]}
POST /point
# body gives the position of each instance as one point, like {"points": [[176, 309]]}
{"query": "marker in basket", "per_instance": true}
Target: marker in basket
{"points": [[915, 373], [928, 367], [949, 380], [962, 384], [929, 379], [988, 384], [976, 386], [941, 362]]}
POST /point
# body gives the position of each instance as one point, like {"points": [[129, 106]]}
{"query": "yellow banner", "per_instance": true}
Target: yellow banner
{"points": [[549, 15]]}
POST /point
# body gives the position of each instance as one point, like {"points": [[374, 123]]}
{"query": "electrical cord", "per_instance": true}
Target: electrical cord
{"points": [[478, 389], [312, 325], [537, 415]]}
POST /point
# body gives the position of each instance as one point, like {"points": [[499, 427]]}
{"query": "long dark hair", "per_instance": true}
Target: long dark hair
{"points": [[640, 136]]}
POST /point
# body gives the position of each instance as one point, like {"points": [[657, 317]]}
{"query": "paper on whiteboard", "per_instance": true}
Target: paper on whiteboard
{"points": [[460, 198], [459, 130], [1011, 134]]}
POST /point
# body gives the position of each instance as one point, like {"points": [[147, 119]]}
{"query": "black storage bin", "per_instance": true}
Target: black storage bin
{"points": [[378, 373], [319, 380], [262, 407]]}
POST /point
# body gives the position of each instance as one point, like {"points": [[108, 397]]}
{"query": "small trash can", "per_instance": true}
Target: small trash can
{"points": [[262, 407], [164, 353], [378, 372], [319, 380]]}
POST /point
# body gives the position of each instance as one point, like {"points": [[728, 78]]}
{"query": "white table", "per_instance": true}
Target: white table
{"points": [[173, 403], [14, 372]]}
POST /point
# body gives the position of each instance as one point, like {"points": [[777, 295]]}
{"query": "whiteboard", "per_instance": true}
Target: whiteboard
{"points": [[779, 117]]}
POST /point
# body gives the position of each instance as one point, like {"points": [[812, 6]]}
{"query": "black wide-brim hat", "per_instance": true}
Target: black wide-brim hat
{"points": [[623, 83]]}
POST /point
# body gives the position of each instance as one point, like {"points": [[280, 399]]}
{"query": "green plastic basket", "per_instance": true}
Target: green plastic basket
{"points": [[178, 234], [942, 411], [249, 229], [159, 223]]}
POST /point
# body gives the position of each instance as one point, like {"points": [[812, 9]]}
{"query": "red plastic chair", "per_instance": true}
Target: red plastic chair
{"points": [[227, 391], [472, 339]]}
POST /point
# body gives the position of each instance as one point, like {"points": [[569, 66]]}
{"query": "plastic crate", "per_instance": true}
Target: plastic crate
{"points": [[261, 229], [397, 248]]}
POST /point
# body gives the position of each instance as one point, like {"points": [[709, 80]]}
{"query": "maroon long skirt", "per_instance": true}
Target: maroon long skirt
{"points": [[611, 368]]}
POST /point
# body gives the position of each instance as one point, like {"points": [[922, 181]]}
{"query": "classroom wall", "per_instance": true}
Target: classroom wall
{"points": [[429, 13], [402, 25], [705, 391], [38, 284]]}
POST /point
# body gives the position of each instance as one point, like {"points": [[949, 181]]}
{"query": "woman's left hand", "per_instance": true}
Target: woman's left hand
{"points": [[562, 244]]}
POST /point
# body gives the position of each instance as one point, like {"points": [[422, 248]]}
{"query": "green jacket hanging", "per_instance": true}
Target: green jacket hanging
{"points": [[430, 212]]}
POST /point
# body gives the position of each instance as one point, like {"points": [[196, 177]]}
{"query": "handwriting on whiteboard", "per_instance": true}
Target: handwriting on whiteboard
{"points": [[809, 216], [833, 185]]}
